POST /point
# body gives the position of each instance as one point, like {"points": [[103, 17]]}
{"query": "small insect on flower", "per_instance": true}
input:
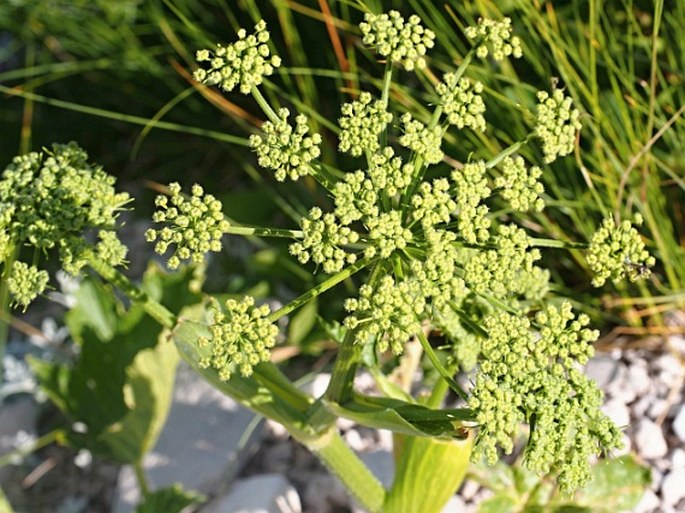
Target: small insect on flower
{"points": [[641, 270]]}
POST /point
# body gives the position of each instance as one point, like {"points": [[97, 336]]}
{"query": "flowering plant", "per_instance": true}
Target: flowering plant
{"points": [[421, 236]]}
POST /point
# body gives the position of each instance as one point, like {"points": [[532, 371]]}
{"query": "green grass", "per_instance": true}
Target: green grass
{"points": [[114, 75]]}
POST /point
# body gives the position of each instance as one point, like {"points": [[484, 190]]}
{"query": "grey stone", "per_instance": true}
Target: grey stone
{"points": [[619, 388], [673, 487], [469, 489], [382, 464], [639, 379], [679, 424], [602, 369], [266, 493], [649, 440], [200, 446]]}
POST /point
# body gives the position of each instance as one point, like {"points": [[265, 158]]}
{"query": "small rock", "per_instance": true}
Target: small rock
{"points": [[657, 408], [648, 503], [354, 440], [673, 487], [617, 411], [639, 379], [266, 493], [669, 367], [455, 505], [678, 459], [657, 478], [325, 494], [649, 440], [640, 408], [318, 385], [602, 369], [469, 490], [679, 424], [619, 388]]}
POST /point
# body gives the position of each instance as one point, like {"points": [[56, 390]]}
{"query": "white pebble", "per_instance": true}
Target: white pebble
{"points": [[354, 440], [678, 459], [679, 424], [617, 411], [673, 487], [649, 440], [469, 490], [648, 503]]}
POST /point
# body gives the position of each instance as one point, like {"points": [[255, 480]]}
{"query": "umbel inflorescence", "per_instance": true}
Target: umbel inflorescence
{"points": [[55, 200], [438, 254]]}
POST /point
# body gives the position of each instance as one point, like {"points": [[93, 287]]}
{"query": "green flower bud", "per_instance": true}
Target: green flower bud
{"points": [[25, 283], [617, 251], [194, 225], [241, 337], [520, 186], [494, 38], [244, 63], [402, 42], [287, 150], [461, 102], [557, 124], [361, 123]]}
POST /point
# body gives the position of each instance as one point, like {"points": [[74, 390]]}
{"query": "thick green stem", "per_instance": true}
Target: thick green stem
{"points": [[4, 306], [342, 462], [385, 95]]}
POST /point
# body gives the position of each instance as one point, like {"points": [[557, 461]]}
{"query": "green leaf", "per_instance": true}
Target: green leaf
{"points": [[500, 503], [168, 500], [429, 472], [302, 323], [148, 393], [121, 384], [399, 416], [617, 485]]}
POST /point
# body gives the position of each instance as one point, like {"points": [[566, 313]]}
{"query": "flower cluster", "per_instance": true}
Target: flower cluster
{"points": [[472, 189], [504, 270], [421, 139], [433, 203], [399, 41], [195, 225], [361, 123], [288, 151], [461, 102], [556, 125], [617, 251], [494, 38], [241, 337], [387, 313], [520, 186], [362, 193], [323, 240], [387, 233], [26, 282], [532, 377], [244, 63], [56, 199]]}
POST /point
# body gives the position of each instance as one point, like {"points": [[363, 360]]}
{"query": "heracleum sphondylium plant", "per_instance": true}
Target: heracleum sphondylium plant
{"points": [[437, 256]]}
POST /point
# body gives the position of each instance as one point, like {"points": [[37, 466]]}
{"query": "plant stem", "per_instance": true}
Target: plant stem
{"points": [[439, 366], [264, 105], [264, 232], [318, 290], [342, 462], [553, 243], [141, 478], [21, 452], [156, 310], [4, 306]]}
